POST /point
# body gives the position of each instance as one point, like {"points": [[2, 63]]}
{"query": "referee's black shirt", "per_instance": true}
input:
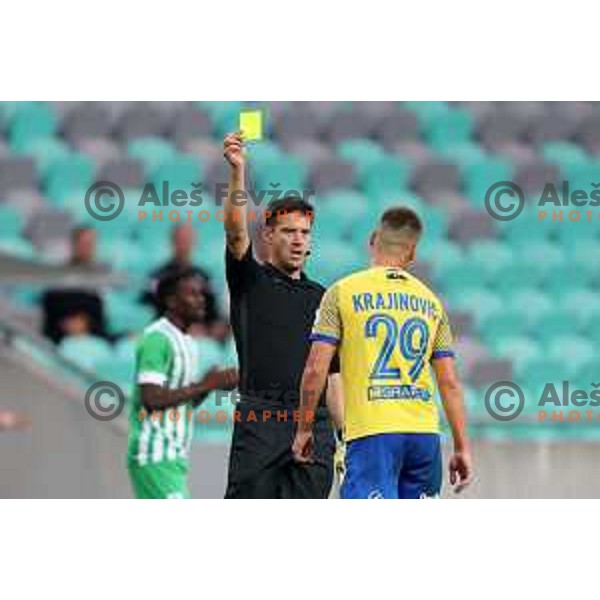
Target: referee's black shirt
{"points": [[272, 316]]}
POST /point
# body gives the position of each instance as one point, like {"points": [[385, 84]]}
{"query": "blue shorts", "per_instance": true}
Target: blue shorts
{"points": [[393, 465]]}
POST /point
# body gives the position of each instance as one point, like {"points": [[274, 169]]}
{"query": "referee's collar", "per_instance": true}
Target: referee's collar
{"points": [[279, 273]]}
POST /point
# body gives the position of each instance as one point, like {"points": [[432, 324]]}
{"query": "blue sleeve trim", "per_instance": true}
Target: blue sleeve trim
{"points": [[321, 337], [442, 354]]}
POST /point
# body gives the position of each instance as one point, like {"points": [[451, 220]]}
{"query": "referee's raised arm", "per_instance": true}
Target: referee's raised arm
{"points": [[236, 224]]}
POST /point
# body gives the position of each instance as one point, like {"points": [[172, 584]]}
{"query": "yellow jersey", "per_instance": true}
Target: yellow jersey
{"points": [[387, 326]]}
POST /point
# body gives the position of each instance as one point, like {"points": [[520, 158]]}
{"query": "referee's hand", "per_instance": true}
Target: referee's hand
{"points": [[233, 150], [302, 448]]}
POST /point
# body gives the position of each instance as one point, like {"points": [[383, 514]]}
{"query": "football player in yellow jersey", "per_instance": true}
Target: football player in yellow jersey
{"points": [[392, 335]]}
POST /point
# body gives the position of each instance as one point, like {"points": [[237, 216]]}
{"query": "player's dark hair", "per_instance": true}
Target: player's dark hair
{"points": [[289, 204], [402, 218], [167, 284]]}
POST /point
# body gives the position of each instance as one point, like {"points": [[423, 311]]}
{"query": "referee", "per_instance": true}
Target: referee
{"points": [[273, 306]]}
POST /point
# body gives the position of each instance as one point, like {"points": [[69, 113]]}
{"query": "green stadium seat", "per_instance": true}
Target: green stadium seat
{"points": [[125, 348], [363, 154], [507, 322], [345, 211], [476, 301], [580, 308], [152, 152], [279, 175], [31, 121], [554, 325], [385, 179], [224, 115], [86, 351], [427, 112], [520, 349], [441, 254], [464, 154], [492, 258], [11, 222], [180, 172], [456, 277], [125, 315], [563, 153], [210, 355], [67, 175], [533, 304], [331, 260], [121, 372], [451, 127], [575, 352], [45, 152], [18, 246], [480, 176]]}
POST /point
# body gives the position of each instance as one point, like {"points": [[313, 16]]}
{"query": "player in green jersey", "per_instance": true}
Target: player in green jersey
{"points": [[167, 391]]}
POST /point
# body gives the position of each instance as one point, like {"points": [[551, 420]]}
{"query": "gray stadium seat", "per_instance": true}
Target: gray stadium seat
{"points": [[101, 150], [311, 151], [471, 224], [461, 323], [487, 371], [400, 126], [589, 132], [429, 179], [352, 123], [517, 152], [293, 125], [500, 127], [469, 351], [86, 120], [47, 226], [125, 172], [27, 201], [16, 173], [552, 127], [533, 176], [142, 120], [331, 174], [190, 122], [208, 150], [412, 150]]}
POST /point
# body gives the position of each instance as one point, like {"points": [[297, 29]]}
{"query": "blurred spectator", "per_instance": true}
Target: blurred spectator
{"points": [[11, 420], [183, 240], [73, 311]]}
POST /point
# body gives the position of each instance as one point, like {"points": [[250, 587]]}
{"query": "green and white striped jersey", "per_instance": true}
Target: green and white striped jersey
{"points": [[168, 357]]}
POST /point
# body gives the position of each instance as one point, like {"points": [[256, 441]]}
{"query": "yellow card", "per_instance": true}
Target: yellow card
{"points": [[251, 125]]}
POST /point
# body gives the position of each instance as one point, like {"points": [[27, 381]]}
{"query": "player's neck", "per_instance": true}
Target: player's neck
{"points": [[388, 261], [177, 321]]}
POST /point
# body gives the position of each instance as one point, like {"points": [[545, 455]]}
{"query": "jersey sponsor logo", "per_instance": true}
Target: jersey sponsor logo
{"points": [[398, 392]]}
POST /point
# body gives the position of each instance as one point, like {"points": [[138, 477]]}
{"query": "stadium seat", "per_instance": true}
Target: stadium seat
{"points": [[385, 178], [125, 315], [151, 152], [31, 121], [70, 173], [449, 127], [45, 152], [361, 153], [86, 121], [86, 351]]}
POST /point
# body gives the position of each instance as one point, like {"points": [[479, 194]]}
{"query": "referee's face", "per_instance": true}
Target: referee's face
{"points": [[289, 241]]}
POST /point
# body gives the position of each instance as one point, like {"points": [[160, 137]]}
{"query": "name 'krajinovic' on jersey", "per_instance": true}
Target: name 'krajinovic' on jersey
{"points": [[367, 301]]}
